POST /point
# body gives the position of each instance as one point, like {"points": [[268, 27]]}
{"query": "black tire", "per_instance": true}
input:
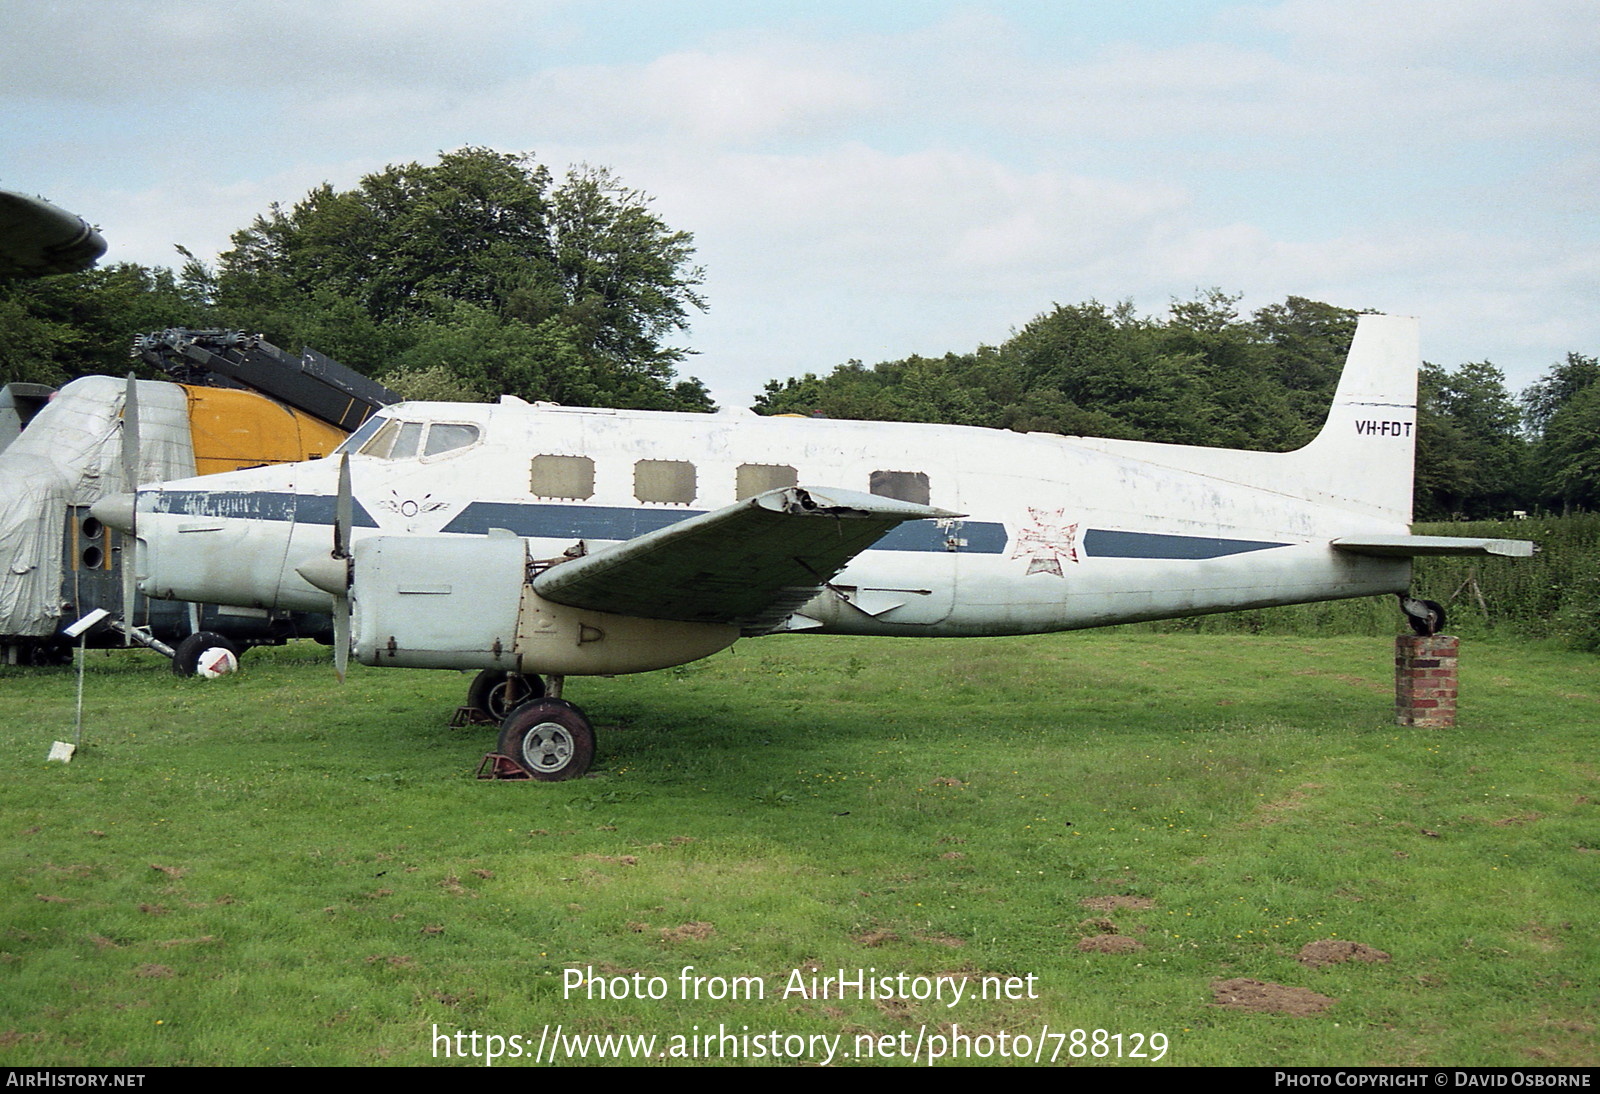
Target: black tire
{"points": [[186, 655], [549, 738], [1430, 624], [50, 655], [497, 692]]}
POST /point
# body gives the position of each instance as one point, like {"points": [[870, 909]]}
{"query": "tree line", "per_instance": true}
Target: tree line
{"points": [[484, 275]]}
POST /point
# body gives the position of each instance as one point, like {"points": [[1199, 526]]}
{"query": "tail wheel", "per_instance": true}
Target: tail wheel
{"points": [[550, 738], [1425, 616], [497, 693]]}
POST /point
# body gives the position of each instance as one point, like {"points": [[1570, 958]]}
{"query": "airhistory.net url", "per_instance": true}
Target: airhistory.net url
{"points": [[922, 1045]]}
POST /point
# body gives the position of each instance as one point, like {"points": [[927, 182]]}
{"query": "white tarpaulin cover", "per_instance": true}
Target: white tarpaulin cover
{"points": [[71, 454]]}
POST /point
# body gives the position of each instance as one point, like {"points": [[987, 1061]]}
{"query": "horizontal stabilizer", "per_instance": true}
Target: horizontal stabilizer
{"points": [[750, 564], [1412, 546]]}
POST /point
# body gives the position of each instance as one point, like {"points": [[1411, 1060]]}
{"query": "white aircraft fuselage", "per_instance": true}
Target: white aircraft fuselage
{"points": [[1055, 533], [1058, 533]]}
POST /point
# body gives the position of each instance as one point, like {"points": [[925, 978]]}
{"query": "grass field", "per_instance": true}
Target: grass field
{"points": [[273, 869]]}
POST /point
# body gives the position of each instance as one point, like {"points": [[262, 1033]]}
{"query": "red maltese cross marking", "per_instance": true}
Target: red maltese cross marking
{"points": [[1046, 541]]}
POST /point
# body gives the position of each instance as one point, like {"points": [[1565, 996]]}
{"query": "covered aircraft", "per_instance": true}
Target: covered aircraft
{"points": [[536, 542], [59, 562], [100, 435]]}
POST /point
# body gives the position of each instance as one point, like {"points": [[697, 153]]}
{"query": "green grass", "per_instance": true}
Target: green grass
{"points": [[273, 869]]}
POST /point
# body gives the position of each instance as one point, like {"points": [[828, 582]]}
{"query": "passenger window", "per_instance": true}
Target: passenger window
{"points": [[905, 485], [449, 436], [562, 477], [757, 478], [670, 482]]}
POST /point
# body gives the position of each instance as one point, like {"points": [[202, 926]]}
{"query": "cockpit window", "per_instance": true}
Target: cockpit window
{"points": [[382, 441], [354, 442], [399, 440], [449, 436], [405, 441]]}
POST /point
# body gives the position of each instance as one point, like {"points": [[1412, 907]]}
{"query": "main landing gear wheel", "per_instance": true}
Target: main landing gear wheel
{"points": [[497, 692], [204, 653], [550, 738]]}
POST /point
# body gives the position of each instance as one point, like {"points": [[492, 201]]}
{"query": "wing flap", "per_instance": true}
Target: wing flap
{"points": [[1412, 546], [752, 563]]}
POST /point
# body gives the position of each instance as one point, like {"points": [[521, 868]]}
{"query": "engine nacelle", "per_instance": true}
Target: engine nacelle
{"points": [[461, 603]]}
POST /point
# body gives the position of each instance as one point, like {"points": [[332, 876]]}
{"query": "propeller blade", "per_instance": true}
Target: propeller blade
{"points": [[130, 480], [341, 635], [130, 434], [343, 513]]}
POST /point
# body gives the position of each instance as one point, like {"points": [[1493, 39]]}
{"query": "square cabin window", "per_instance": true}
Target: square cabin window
{"points": [[905, 485], [562, 477], [670, 482], [757, 478]]}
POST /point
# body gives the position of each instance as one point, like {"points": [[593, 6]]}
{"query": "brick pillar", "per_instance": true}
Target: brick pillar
{"points": [[1425, 680]]}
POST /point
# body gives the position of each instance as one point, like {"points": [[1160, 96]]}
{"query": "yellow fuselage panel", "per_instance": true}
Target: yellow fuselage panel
{"points": [[235, 429]]}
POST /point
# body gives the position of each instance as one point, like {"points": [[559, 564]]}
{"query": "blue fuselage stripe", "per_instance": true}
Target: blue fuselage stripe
{"points": [[1100, 543], [269, 505]]}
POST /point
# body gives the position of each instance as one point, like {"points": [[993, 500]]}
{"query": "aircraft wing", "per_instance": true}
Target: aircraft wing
{"points": [[1412, 546], [752, 563]]}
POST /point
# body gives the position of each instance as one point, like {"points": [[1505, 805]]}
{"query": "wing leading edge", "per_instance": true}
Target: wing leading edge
{"points": [[750, 564]]}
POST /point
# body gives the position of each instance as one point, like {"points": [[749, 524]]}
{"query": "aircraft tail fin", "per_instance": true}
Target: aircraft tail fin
{"points": [[1364, 457]]}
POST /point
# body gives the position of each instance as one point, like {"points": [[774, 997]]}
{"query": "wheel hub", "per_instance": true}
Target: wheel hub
{"points": [[547, 747]]}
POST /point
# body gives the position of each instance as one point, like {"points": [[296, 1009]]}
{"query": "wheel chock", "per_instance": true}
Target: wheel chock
{"points": [[496, 766], [470, 716]]}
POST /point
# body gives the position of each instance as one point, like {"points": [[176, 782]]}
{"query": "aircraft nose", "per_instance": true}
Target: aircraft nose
{"points": [[115, 510]]}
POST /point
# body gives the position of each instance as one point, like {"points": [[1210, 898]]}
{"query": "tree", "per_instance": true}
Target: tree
{"points": [[1104, 372], [1471, 455], [59, 328], [1569, 452], [1563, 414], [477, 265], [1242, 402], [624, 276], [1545, 397], [471, 229], [1309, 341]]}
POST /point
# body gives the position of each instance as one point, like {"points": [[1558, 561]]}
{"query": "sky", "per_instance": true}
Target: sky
{"points": [[867, 180]]}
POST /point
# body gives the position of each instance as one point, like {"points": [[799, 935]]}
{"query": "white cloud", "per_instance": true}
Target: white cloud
{"points": [[1544, 35]]}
